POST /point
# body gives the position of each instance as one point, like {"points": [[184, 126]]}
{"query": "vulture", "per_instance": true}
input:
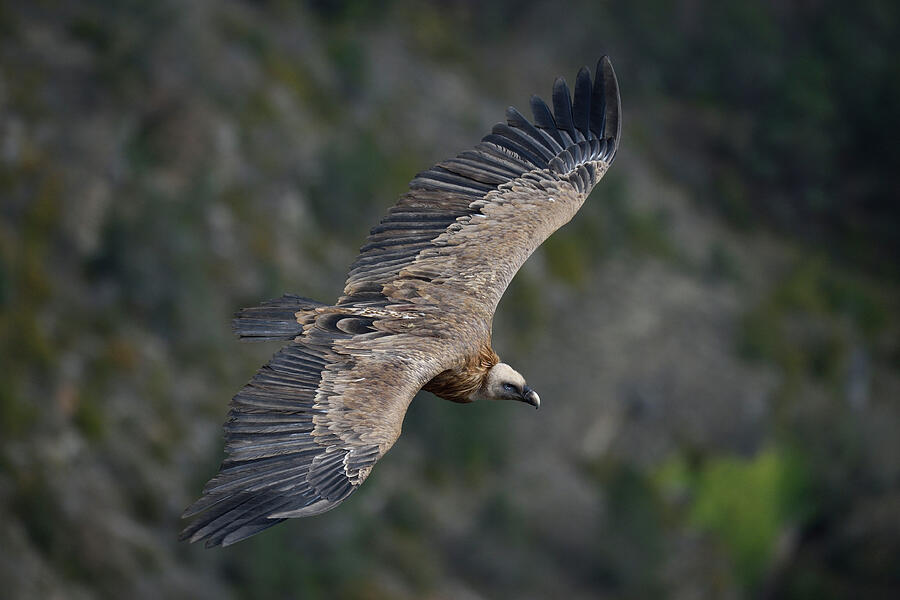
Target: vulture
{"points": [[415, 314]]}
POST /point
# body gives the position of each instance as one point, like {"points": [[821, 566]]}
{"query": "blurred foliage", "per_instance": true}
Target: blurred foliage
{"points": [[788, 108], [469, 443], [809, 320], [162, 164], [748, 504], [631, 545]]}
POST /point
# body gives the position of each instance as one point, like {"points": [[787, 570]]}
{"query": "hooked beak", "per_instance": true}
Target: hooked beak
{"points": [[531, 397]]}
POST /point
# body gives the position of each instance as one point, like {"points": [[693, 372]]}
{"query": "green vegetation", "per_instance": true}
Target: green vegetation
{"points": [[746, 503], [630, 546], [89, 418]]}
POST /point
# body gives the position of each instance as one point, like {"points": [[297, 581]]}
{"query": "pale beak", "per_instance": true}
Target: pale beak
{"points": [[531, 397]]}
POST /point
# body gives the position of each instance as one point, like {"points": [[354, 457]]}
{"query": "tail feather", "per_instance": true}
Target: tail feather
{"points": [[272, 320]]}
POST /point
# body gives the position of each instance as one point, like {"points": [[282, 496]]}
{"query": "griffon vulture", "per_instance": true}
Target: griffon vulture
{"points": [[415, 314]]}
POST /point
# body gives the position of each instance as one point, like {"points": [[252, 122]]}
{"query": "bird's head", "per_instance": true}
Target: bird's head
{"points": [[502, 382]]}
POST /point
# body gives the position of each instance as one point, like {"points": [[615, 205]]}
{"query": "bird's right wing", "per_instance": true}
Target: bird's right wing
{"points": [[455, 240], [306, 431]]}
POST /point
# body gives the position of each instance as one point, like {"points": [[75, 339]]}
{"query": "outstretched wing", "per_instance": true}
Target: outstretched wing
{"points": [[457, 238], [305, 432]]}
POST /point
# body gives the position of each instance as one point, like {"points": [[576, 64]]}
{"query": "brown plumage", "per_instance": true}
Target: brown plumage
{"points": [[415, 314], [463, 382]]}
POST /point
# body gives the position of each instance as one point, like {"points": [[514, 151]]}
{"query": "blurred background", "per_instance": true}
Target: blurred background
{"points": [[714, 336]]}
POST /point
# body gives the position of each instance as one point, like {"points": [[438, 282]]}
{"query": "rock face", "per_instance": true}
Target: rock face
{"points": [[719, 408]]}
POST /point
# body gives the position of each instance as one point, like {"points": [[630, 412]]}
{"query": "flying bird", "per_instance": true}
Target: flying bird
{"points": [[415, 313]]}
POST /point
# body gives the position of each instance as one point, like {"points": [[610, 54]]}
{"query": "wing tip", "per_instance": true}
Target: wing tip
{"points": [[607, 84], [595, 108]]}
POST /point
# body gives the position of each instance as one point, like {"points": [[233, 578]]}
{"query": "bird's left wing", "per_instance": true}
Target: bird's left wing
{"points": [[305, 432], [456, 239]]}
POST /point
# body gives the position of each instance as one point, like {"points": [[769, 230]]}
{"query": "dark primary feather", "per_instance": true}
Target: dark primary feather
{"points": [[606, 107], [543, 118], [517, 120], [581, 106], [562, 106]]}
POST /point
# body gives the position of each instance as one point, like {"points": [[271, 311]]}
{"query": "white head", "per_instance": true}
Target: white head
{"points": [[505, 383]]}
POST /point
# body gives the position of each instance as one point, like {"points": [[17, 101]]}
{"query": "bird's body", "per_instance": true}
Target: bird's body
{"points": [[416, 313]]}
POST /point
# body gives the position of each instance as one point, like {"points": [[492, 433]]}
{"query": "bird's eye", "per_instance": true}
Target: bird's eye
{"points": [[509, 387]]}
